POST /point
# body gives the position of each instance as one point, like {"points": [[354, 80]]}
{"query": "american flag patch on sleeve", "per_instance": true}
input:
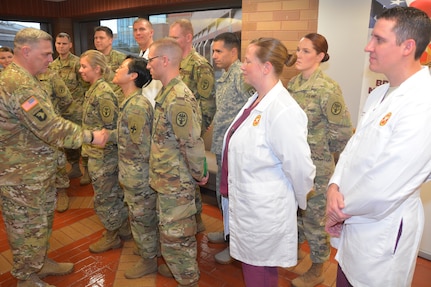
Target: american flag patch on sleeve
{"points": [[29, 104]]}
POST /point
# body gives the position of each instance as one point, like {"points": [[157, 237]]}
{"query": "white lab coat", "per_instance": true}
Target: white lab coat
{"points": [[379, 173], [270, 172]]}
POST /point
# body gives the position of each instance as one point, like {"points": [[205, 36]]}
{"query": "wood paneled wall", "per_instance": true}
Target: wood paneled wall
{"points": [[39, 9]]}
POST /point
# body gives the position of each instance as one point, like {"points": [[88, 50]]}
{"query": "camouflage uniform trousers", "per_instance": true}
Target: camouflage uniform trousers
{"points": [[218, 175], [143, 219], [108, 195], [28, 214], [177, 226], [311, 222], [61, 178]]}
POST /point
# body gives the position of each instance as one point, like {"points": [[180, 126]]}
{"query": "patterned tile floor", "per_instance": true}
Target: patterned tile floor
{"points": [[78, 227]]}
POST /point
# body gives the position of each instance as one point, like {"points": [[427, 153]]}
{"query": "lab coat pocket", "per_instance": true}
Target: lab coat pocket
{"points": [[265, 205]]}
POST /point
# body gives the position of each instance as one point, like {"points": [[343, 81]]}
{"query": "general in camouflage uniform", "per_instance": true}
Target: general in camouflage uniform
{"points": [[133, 137], [329, 129], [100, 111], [30, 134], [62, 100], [177, 160], [67, 66]]}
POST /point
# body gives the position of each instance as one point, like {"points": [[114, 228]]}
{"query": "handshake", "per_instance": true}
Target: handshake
{"points": [[99, 138]]}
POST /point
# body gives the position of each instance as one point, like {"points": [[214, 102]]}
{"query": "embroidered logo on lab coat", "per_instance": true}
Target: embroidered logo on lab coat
{"points": [[256, 120], [385, 119]]}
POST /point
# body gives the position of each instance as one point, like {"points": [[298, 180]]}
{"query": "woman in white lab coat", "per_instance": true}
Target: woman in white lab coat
{"points": [[267, 169]]}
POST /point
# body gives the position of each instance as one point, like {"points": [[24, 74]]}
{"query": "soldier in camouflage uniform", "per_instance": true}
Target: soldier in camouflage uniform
{"points": [[197, 73], [231, 95], [61, 99], [29, 128], [6, 57], [67, 66], [103, 38], [177, 161], [329, 129], [100, 111], [133, 137]]}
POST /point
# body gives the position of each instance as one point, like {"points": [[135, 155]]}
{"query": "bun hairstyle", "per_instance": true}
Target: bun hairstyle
{"points": [[96, 58], [319, 44], [291, 60], [273, 51]]}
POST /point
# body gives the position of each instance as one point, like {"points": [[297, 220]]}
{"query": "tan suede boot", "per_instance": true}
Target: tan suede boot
{"points": [[143, 267], [311, 278], [75, 171], [223, 257], [200, 226], [165, 271], [110, 240], [85, 179], [125, 232], [52, 268], [62, 200], [33, 281]]}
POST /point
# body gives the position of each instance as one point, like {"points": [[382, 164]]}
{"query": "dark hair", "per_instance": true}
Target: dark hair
{"points": [[6, 49], [410, 23], [319, 44], [105, 29], [64, 35], [273, 51], [139, 66], [230, 40]]}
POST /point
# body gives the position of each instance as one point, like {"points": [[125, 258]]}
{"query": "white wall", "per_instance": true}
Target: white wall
{"points": [[344, 23]]}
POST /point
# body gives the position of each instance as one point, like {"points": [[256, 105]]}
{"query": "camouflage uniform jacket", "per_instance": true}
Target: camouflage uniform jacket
{"points": [[231, 95], [177, 150], [114, 60], [133, 137], [100, 111], [30, 130], [68, 70], [329, 125], [198, 75], [60, 95]]}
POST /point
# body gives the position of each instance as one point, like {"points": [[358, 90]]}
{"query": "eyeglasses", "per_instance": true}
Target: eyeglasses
{"points": [[152, 58]]}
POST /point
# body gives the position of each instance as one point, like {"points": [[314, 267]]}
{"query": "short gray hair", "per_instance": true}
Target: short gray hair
{"points": [[30, 36]]}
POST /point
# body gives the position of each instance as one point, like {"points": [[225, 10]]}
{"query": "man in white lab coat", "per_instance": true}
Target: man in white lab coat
{"points": [[374, 212]]}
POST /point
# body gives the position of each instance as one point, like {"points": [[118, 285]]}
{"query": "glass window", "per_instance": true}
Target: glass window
{"points": [[8, 30], [206, 25]]}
